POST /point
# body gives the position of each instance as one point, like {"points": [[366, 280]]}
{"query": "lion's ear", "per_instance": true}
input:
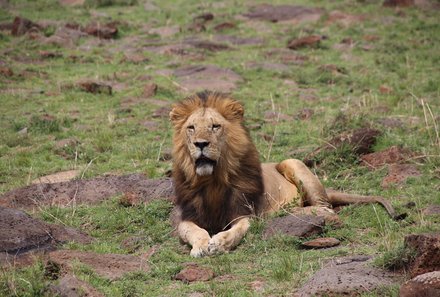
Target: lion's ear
{"points": [[235, 111]]}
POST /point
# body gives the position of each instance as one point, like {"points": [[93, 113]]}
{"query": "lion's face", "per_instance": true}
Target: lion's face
{"points": [[205, 139]]}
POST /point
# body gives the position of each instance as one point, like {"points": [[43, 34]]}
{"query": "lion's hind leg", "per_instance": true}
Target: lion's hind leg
{"points": [[312, 191]]}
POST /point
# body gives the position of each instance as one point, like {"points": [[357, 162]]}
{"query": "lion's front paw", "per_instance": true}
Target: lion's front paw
{"points": [[201, 249], [218, 244]]}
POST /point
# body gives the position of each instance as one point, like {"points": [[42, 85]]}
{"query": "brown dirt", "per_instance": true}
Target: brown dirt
{"points": [[22, 235], [424, 285], [284, 13], [194, 273], [427, 247], [391, 155], [206, 77], [319, 243], [348, 276], [70, 286], [306, 41], [110, 266], [87, 191], [295, 226], [398, 174]]}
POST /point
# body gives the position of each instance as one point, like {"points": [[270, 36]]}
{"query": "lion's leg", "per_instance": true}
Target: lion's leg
{"points": [[197, 237], [313, 192], [227, 240]]}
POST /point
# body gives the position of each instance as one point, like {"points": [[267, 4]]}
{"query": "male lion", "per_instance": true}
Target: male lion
{"points": [[220, 182]]}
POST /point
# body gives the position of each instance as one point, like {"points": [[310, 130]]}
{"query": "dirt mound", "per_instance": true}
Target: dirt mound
{"points": [[348, 276], [87, 191], [20, 234], [110, 266]]}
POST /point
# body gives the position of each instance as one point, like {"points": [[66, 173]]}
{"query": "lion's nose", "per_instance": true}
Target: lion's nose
{"points": [[201, 144]]}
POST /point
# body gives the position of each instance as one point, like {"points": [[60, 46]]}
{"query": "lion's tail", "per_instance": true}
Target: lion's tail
{"points": [[339, 198]]}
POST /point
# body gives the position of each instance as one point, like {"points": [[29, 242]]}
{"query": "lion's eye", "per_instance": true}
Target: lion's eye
{"points": [[190, 128], [216, 127]]}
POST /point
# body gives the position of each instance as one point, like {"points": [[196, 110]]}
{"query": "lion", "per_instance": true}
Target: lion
{"points": [[220, 182]]}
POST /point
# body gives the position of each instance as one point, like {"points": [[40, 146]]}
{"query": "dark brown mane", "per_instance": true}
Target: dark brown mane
{"points": [[235, 188]]}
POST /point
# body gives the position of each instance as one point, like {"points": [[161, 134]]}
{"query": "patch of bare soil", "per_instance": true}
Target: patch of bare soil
{"points": [[21, 234], [88, 191], [427, 247], [295, 226], [70, 286], [391, 155], [110, 266], [427, 284], [206, 77], [193, 272], [291, 13], [349, 276], [398, 174]]}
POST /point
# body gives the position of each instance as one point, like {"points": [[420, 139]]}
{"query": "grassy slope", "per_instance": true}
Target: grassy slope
{"points": [[405, 58]]}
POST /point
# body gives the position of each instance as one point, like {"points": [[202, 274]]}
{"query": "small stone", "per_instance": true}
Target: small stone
{"points": [[324, 242], [130, 199], [225, 26], [383, 89], [193, 273]]}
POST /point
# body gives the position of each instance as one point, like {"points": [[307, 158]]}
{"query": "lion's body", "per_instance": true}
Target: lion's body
{"points": [[220, 182]]}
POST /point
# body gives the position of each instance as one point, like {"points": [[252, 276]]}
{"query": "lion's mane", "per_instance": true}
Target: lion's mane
{"points": [[235, 188]]}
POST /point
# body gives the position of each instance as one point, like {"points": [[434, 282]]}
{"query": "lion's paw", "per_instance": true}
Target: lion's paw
{"points": [[198, 252], [217, 244]]}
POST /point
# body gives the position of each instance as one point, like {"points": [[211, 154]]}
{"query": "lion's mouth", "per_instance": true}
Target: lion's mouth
{"points": [[204, 165]]}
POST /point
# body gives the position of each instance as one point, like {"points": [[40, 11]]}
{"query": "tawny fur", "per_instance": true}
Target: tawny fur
{"points": [[220, 182]]}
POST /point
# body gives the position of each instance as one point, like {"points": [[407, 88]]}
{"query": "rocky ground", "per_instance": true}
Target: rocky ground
{"points": [[86, 88]]}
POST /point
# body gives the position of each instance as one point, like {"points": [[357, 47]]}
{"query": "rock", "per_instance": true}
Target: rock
{"points": [[427, 248], [361, 140], [62, 176], [110, 266], [391, 155], [105, 31], [150, 89], [6, 71], [383, 89], [295, 226], [307, 41], [206, 77], [399, 3], [323, 242], [292, 13], [70, 286], [424, 285], [88, 191], [399, 173], [193, 273], [432, 210], [21, 26], [95, 87], [349, 276]]}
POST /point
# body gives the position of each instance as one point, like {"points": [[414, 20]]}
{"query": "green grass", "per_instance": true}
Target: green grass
{"points": [[43, 97]]}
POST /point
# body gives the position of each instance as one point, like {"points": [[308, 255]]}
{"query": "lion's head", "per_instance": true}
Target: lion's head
{"points": [[209, 136]]}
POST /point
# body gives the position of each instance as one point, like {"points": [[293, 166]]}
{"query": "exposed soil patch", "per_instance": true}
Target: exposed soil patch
{"points": [[110, 266], [427, 284], [20, 234], [278, 13], [399, 173], [348, 276], [306, 41], [88, 191], [427, 247], [391, 155], [207, 77], [295, 226], [193, 272], [70, 286]]}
